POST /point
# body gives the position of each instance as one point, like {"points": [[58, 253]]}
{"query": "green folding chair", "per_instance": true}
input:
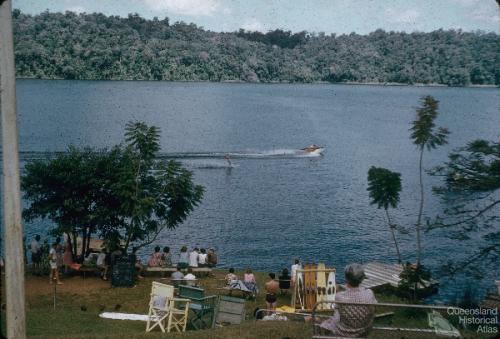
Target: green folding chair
{"points": [[202, 307]]}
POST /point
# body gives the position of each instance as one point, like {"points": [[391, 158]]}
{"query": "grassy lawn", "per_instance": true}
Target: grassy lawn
{"points": [[80, 301]]}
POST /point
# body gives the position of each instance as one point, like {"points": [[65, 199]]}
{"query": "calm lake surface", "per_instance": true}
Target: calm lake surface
{"points": [[274, 204]]}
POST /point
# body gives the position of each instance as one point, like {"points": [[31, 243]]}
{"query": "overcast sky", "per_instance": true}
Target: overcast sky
{"points": [[329, 16]]}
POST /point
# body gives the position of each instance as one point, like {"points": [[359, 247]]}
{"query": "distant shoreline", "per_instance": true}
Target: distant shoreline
{"points": [[392, 84]]}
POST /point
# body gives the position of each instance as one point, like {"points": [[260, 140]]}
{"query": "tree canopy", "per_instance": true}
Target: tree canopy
{"points": [[124, 195], [96, 46], [384, 187], [471, 192]]}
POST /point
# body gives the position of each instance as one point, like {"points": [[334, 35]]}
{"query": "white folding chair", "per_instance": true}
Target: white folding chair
{"points": [[178, 314], [159, 305]]}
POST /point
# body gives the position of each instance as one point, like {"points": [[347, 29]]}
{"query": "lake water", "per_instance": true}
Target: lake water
{"points": [[274, 205]]}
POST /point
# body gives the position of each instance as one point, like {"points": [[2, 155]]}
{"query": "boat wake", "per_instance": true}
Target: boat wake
{"points": [[276, 153], [219, 159]]}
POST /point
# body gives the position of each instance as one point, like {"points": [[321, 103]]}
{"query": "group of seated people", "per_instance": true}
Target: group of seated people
{"points": [[196, 258], [249, 283]]}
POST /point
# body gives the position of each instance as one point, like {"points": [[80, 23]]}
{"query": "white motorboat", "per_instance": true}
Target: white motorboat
{"points": [[313, 149]]}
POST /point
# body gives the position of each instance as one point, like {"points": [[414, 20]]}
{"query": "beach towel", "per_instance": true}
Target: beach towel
{"points": [[124, 316]]}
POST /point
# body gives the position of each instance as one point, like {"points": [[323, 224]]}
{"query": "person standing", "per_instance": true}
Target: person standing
{"points": [[54, 270], [294, 269], [272, 288], [59, 253], [67, 256], [36, 254], [193, 258]]}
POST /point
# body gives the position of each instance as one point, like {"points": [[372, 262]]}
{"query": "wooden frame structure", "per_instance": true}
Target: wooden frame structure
{"points": [[299, 288]]}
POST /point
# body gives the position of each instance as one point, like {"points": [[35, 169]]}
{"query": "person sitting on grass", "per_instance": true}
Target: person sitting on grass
{"points": [[177, 277], [352, 320], [272, 288], [230, 277], [155, 259], [250, 282], [54, 271], [190, 278]]}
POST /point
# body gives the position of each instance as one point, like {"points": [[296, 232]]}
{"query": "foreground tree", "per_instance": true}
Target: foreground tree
{"points": [[148, 195], [124, 194], [471, 190], [65, 190], [384, 187], [425, 135]]}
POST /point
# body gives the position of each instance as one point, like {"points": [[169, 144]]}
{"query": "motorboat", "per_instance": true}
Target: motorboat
{"points": [[313, 149]]}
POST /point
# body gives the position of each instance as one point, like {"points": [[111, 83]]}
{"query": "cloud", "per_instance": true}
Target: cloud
{"points": [[405, 16], [253, 25], [184, 7]]}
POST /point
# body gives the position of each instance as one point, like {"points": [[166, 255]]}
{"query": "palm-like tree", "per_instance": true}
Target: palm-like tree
{"points": [[384, 187], [425, 135]]}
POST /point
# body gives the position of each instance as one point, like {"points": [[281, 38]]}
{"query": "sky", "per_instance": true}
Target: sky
{"points": [[329, 16]]}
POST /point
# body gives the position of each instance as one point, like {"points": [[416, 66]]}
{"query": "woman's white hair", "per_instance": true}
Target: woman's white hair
{"points": [[354, 274]]}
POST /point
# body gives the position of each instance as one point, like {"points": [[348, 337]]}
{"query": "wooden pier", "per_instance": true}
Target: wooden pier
{"points": [[380, 274]]}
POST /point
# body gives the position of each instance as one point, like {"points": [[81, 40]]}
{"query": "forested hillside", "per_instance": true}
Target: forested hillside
{"points": [[95, 46]]}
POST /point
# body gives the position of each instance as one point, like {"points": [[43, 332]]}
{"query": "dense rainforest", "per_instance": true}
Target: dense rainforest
{"points": [[96, 46]]}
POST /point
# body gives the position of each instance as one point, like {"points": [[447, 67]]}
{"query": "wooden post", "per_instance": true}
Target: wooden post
{"points": [[13, 239]]}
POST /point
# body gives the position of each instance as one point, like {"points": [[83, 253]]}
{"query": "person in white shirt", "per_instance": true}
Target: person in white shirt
{"points": [[193, 258], [102, 263], [202, 258], [54, 270], [190, 278], [294, 269]]}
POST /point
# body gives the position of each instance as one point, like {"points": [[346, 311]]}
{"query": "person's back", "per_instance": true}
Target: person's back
{"points": [[355, 320], [249, 278], [211, 258], [184, 257], [272, 286], [35, 245], [294, 269], [166, 257], [202, 258], [193, 258], [352, 320], [177, 275]]}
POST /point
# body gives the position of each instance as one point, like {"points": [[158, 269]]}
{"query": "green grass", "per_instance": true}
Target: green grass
{"points": [[92, 295]]}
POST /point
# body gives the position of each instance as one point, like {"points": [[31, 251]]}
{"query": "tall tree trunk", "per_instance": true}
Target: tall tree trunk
{"points": [[421, 208], [89, 234], [75, 246], [393, 235], [84, 242], [70, 243]]}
